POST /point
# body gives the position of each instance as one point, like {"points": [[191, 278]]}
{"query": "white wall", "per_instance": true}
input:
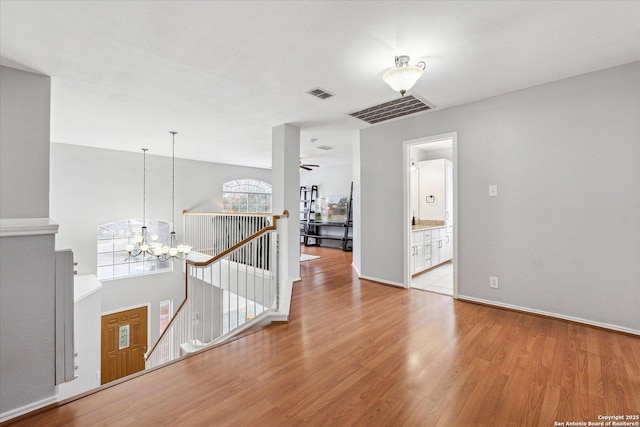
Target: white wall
{"points": [[87, 308], [563, 236], [27, 291], [357, 207], [332, 180], [24, 144], [93, 186], [285, 154], [27, 321]]}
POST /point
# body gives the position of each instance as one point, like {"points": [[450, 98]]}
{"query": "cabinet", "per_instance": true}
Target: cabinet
{"points": [[441, 246], [436, 243], [430, 248], [447, 247], [420, 251], [417, 251]]}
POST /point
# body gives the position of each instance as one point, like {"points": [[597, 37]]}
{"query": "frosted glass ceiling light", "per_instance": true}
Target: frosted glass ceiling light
{"points": [[404, 76]]}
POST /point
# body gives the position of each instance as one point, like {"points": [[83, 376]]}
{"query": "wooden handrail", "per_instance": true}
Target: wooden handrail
{"points": [[186, 212], [285, 214], [241, 243]]}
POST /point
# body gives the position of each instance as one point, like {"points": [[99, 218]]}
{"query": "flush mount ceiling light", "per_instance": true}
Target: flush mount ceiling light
{"points": [[404, 76]]}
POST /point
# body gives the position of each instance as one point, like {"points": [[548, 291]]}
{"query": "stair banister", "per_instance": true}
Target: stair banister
{"points": [[210, 261]]}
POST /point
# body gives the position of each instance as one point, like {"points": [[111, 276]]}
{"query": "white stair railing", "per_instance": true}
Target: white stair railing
{"points": [[225, 295], [213, 232]]}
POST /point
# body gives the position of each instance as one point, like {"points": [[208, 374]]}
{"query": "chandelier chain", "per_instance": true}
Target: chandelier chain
{"points": [[144, 185], [173, 181]]}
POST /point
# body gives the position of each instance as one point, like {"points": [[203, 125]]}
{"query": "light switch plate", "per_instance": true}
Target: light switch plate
{"points": [[493, 190]]}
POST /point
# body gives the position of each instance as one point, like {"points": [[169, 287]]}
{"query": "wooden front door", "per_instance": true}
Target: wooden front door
{"points": [[124, 342]]}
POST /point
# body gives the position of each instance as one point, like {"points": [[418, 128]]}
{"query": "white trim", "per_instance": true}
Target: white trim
{"points": [[27, 227], [406, 187], [276, 316], [356, 269], [383, 281], [5, 416], [550, 314], [133, 307]]}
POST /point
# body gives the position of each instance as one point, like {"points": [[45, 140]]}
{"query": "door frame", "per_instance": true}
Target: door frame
{"points": [[406, 199], [133, 307], [118, 310]]}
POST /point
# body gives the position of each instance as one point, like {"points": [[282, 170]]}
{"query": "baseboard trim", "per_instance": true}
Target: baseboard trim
{"points": [[278, 317], [382, 281], [550, 314], [356, 269], [27, 409]]}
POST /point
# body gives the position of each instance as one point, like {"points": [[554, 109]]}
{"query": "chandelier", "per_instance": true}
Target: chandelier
{"points": [[142, 243], [155, 248], [174, 250], [404, 76]]}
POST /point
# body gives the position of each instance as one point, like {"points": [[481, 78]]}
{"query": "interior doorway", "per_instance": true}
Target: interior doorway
{"points": [[123, 343], [431, 214]]}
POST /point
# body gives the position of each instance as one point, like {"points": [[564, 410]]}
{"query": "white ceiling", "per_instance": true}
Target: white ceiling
{"points": [[223, 74]]}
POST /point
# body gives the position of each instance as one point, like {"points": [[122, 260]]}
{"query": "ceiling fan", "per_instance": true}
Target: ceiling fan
{"points": [[307, 166]]}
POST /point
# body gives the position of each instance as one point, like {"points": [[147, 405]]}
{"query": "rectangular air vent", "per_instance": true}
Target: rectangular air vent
{"points": [[393, 109], [320, 93]]}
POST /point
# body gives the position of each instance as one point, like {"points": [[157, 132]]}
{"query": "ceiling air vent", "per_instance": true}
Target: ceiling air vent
{"points": [[393, 109], [320, 93]]}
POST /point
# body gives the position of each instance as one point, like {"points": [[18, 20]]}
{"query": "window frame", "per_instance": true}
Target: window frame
{"points": [[247, 195], [112, 260]]}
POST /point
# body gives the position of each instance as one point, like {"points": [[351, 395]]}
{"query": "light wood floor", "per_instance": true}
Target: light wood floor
{"points": [[360, 353]]}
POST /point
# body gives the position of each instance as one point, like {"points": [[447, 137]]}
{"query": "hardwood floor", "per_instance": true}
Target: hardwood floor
{"points": [[360, 353]]}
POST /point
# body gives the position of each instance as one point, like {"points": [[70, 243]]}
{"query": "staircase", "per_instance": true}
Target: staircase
{"points": [[225, 293]]}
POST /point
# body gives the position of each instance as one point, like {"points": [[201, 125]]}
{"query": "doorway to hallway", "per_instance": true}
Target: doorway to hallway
{"points": [[431, 214]]}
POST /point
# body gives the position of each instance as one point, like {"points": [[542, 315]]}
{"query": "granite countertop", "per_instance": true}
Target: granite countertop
{"points": [[427, 224], [424, 227]]}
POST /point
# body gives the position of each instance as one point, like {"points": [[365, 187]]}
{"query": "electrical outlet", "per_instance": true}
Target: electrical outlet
{"points": [[493, 282]]}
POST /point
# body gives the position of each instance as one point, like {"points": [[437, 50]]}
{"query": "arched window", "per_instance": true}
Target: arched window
{"points": [[113, 260], [246, 195]]}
